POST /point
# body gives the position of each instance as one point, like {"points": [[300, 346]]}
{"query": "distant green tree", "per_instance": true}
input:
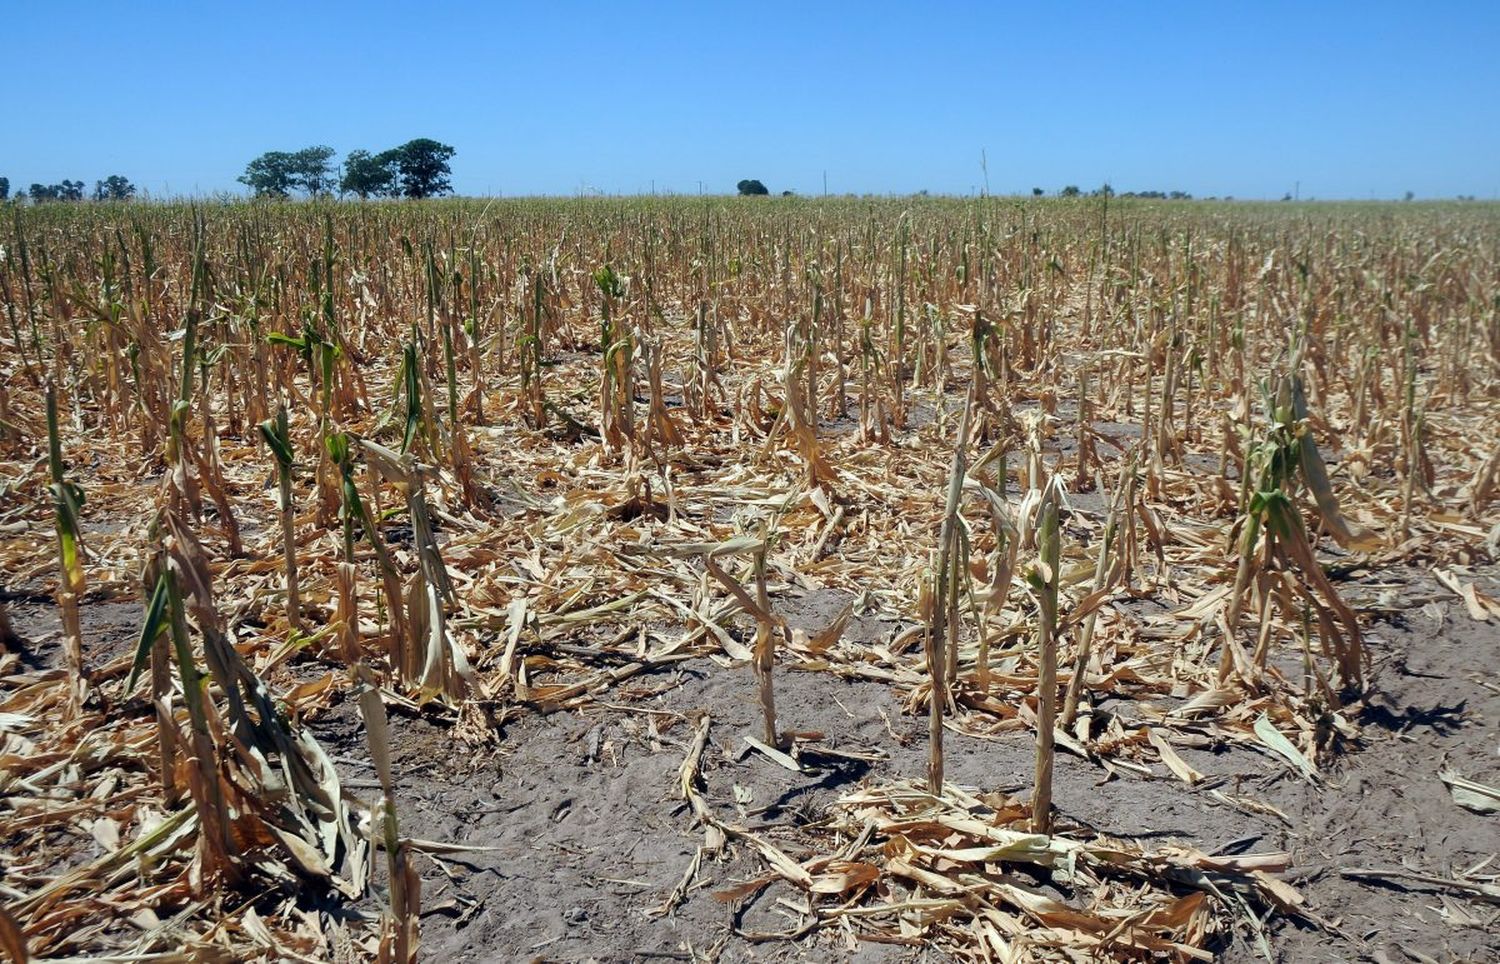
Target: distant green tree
{"points": [[114, 188], [4, 188], [271, 175], [1070, 191], [1037, 192], [751, 187], [370, 175], [423, 167], [65, 191], [279, 173], [311, 170]]}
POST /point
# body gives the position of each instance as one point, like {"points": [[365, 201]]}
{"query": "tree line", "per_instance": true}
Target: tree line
{"points": [[417, 169], [1072, 190], [113, 188]]}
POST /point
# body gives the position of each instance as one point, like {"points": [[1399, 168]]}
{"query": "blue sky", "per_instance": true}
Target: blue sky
{"points": [[1248, 99]]}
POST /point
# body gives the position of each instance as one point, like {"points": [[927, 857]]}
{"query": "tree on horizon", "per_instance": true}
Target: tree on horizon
{"points": [[417, 169], [279, 173], [114, 188], [423, 167], [370, 175], [66, 190]]}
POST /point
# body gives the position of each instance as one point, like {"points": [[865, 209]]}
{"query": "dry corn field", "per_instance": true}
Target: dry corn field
{"points": [[771, 579]]}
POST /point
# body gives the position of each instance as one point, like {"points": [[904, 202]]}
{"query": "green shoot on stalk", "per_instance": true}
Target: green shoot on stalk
{"points": [[412, 383], [1272, 526], [278, 439], [452, 375], [67, 501], [352, 509]]}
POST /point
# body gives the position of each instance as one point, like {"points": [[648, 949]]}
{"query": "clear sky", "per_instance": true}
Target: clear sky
{"points": [[1349, 99]]}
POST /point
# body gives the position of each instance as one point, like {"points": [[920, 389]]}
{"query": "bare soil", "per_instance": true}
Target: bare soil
{"points": [[587, 836], [583, 836]]}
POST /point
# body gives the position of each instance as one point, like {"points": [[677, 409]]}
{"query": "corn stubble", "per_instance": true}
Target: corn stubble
{"points": [[493, 460]]}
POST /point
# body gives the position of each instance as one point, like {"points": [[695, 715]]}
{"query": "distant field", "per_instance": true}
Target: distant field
{"points": [[699, 578]]}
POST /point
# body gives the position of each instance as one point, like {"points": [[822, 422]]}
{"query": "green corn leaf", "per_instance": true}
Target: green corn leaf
{"points": [[337, 444], [273, 431], [608, 282], [151, 630], [412, 378], [295, 342]]}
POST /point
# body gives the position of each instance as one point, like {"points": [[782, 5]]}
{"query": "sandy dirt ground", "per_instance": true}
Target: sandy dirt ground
{"points": [[586, 835]]}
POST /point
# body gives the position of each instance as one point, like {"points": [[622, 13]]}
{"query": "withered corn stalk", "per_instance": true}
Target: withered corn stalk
{"points": [[67, 504], [1044, 577], [704, 385], [168, 612], [660, 426], [251, 774], [1088, 459], [399, 930], [1274, 546], [1086, 635], [353, 509], [616, 376], [434, 660], [279, 440], [765, 647], [940, 607], [1002, 563], [529, 354], [767, 624], [799, 415]]}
